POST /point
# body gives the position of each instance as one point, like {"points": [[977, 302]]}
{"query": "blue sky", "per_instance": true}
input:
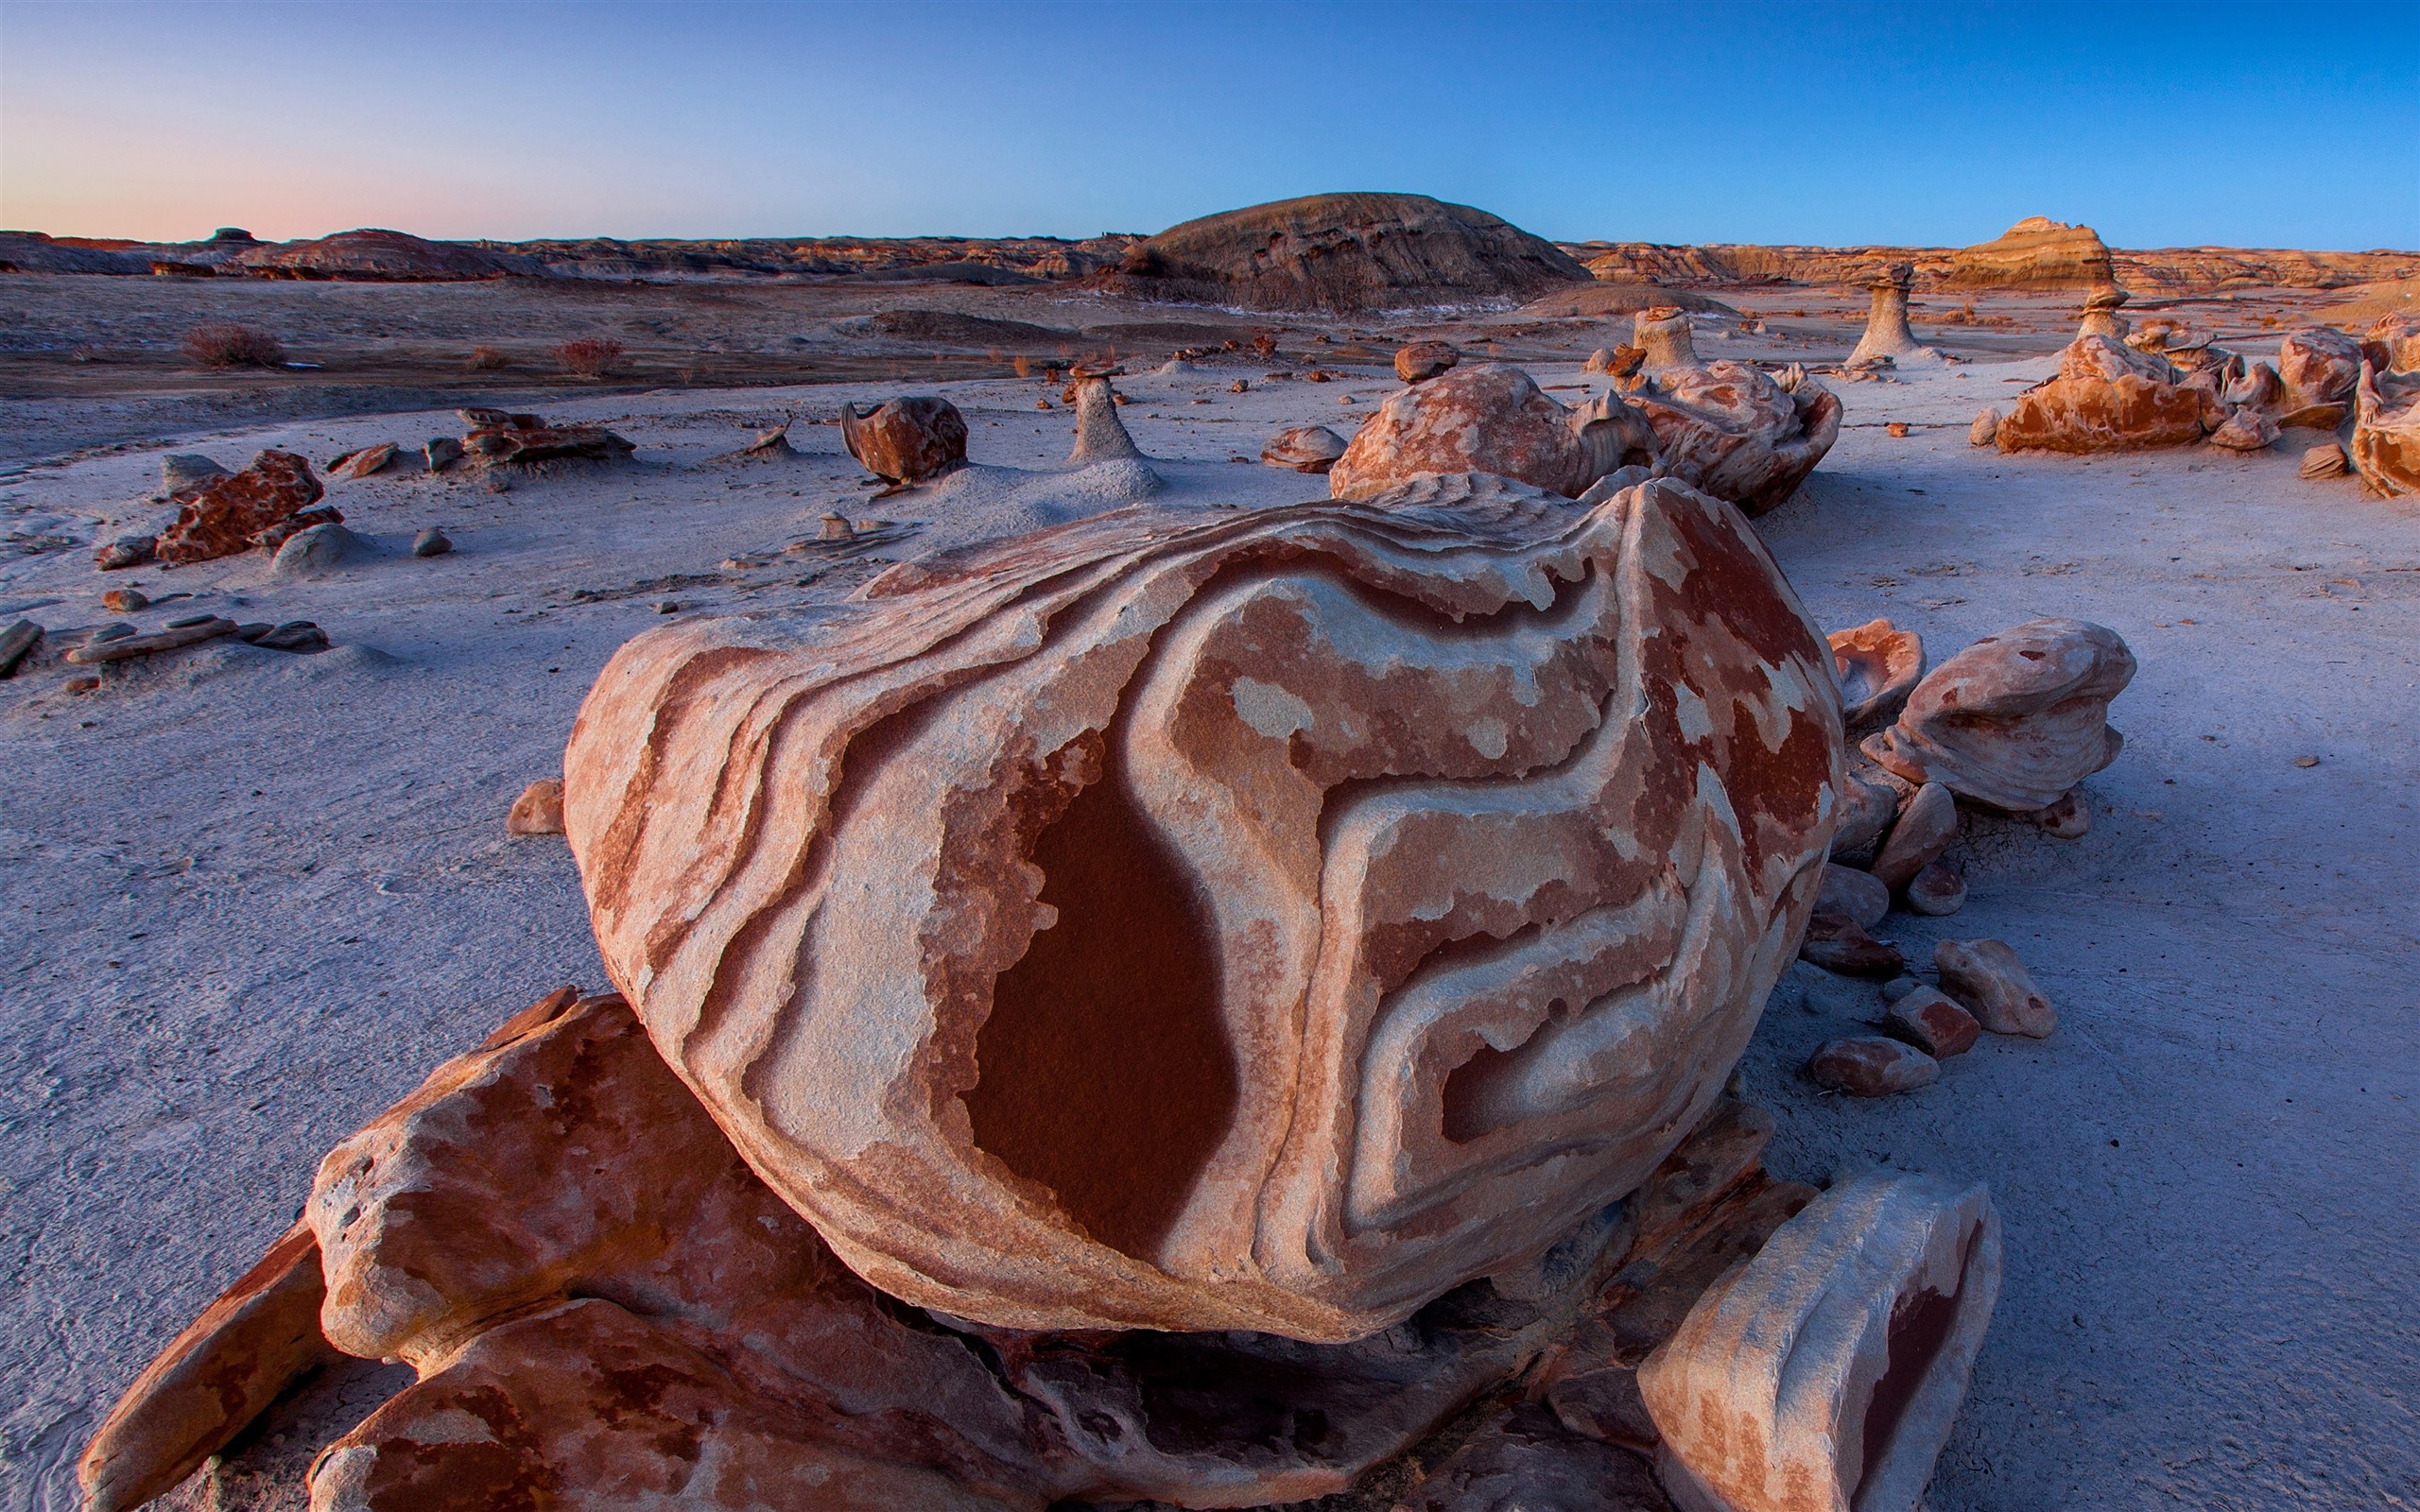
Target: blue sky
{"points": [[2160, 124]]}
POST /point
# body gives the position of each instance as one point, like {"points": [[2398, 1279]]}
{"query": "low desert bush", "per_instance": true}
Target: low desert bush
{"points": [[487, 359], [224, 344], [590, 356]]}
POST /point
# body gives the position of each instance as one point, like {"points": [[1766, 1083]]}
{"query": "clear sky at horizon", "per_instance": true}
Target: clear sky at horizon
{"points": [[1935, 125]]}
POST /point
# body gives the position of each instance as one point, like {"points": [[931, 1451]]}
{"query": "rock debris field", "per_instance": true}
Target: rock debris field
{"points": [[253, 895]]}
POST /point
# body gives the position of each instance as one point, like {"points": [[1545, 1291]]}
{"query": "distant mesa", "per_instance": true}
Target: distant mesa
{"points": [[390, 256], [1348, 251], [2035, 253]]}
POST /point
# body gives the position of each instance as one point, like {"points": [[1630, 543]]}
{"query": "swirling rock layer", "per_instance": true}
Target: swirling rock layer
{"points": [[1267, 923]]}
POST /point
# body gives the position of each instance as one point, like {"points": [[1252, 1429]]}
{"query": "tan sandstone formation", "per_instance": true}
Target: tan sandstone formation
{"points": [[1303, 448], [1886, 323], [905, 440], [1729, 429], [2015, 720], [2101, 317], [2386, 430], [1877, 665], [2109, 397], [1100, 435], [1665, 339], [1346, 251], [1176, 924], [2035, 253], [1491, 418], [1826, 1374], [2318, 367]]}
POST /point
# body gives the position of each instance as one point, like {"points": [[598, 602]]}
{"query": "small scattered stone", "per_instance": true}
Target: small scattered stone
{"points": [[124, 552], [300, 637], [118, 647], [498, 484], [442, 452], [1856, 894], [1871, 1066], [2069, 818], [1925, 827], [85, 684], [1898, 429], [180, 471], [365, 461], [125, 600], [1932, 1022], [1866, 809], [1303, 448], [117, 631], [1042, 404], [2325, 461], [1988, 980], [1937, 892], [1239, 387], [1985, 430], [1899, 986], [315, 552], [1838, 943], [15, 642], [2306, 762], [539, 810], [251, 634], [1425, 359], [432, 542], [668, 606]]}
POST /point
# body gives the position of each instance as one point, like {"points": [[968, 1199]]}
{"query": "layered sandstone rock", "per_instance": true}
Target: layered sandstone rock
{"points": [[1491, 418], [2393, 344], [1728, 429], [2108, 397], [1303, 448], [908, 439], [2035, 253], [1826, 1374], [1146, 971], [2386, 431], [1877, 665], [2318, 366], [497, 438], [1886, 323], [2015, 720], [1665, 341], [2101, 317], [225, 515], [1346, 251]]}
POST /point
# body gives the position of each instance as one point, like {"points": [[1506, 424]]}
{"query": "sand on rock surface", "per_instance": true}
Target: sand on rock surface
{"points": [[253, 897]]}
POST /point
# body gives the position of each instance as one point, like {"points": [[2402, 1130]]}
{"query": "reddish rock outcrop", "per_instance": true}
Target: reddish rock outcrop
{"points": [[2319, 367], [905, 440], [1728, 429], [364, 462], [1491, 418], [497, 438], [223, 516], [1877, 665], [2386, 431], [2035, 253], [2015, 720], [1303, 448], [1153, 1011], [2108, 397], [1827, 1373]]}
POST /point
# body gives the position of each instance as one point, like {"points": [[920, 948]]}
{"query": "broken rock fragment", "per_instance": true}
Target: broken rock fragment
{"points": [[1836, 943], [1926, 828], [2015, 720], [365, 461], [539, 810], [1425, 359], [1937, 890], [905, 440], [1931, 1021], [1871, 1066], [1826, 1374], [497, 438], [1985, 977], [2323, 461], [1986, 429], [221, 517], [1879, 665], [1303, 448], [1867, 809], [2245, 429], [1169, 977], [1491, 418]]}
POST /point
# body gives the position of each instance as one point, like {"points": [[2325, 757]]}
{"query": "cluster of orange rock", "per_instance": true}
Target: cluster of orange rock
{"points": [[2121, 389]]}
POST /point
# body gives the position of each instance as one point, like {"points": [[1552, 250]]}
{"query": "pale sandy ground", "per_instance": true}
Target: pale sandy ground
{"points": [[250, 899]]}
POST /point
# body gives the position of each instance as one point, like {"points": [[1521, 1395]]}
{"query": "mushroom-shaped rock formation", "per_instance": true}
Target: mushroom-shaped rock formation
{"points": [[905, 440], [1877, 665], [2015, 720], [2101, 317], [1729, 429], [1303, 448], [1100, 435], [2319, 367], [1491, 418], [1665, 341], [1825, 1375], [2108, 397], [1267, 922], [2386, 430], [1346, 251], [1886, 322]]}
